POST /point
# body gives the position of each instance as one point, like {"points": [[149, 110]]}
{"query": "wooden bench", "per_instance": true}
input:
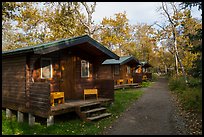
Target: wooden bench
{"points": [[130, 80], [144, 77], [57, 96], [119, 81], [91, 92]]}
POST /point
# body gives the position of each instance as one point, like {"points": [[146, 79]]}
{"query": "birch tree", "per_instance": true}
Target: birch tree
{"points": [[91, 27], [172, 14]]}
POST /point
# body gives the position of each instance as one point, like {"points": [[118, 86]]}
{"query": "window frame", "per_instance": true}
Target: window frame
{"points": [[88, 66], [41, 61], [118, 67], [128, 70]]}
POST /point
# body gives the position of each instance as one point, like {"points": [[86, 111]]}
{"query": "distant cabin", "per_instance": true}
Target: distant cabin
{"points": [[66, 67], [122, 70], [144, 70]]}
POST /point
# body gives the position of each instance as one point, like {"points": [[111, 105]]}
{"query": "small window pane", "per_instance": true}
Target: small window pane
{"points": [[128, 69], [46, 68], [84, 68], [116, 69]]}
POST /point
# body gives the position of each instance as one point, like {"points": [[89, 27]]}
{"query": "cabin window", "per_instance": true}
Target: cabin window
{"points": [[84, 68], [128, 69], [46, 68], [116, 68]]}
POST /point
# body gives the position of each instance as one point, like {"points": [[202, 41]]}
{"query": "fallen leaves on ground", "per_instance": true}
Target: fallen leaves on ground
{"points": [[193, 119]]}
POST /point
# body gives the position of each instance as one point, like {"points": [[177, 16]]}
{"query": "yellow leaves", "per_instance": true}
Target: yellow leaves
{"points": [[115, 31], [8, 9], [188, 59]]}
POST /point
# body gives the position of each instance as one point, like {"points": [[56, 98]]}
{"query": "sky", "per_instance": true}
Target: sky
{"points": [[137, 12]]}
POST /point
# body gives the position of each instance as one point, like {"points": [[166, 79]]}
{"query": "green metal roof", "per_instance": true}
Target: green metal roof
{"points": [[61, 44], [121, 61], [32, 48]]}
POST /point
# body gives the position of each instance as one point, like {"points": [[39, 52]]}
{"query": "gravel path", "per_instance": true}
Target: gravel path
{"points": [[153, 114]]}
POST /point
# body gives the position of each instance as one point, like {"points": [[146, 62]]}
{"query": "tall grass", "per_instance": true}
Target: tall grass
{"points": [[189, 94], [73, 126]]}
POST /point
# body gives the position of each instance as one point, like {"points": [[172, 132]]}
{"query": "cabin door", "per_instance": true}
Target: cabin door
{"points": [[67, 77]]}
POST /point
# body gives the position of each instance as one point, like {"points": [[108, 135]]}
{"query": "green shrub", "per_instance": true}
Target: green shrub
{"points": [[146, 84], [177, 84], [194, 82], [189, 94], [192, 99]]}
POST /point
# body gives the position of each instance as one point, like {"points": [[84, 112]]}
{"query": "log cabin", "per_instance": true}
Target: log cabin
{"points": [[144, 71], [49, 79], [121, 71]]}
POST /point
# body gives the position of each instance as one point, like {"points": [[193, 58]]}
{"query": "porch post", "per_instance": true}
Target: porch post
{"points": [[20, 116], [31, 119], [50, 121], [8, 113]]}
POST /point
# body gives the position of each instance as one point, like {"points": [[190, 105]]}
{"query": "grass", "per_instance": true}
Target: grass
{"points": [[190, 95], [146, 84], [74, 125]]}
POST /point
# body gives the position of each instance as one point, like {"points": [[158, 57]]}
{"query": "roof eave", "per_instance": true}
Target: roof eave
{"points": [[55, 47], [129, 59], [84, 39], [103, 49], [16, 52]]}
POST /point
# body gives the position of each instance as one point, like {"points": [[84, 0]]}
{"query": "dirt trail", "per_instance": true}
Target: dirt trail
{"points": [[153, 114]]}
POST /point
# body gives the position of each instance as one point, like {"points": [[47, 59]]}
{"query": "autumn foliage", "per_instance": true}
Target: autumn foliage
{"points": [[172, 48]]}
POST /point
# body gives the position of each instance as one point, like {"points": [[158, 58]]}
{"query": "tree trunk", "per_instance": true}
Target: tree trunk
{"points": [[176, 63], [183, 70], [177, 56], [165, 69], [90, 10]]}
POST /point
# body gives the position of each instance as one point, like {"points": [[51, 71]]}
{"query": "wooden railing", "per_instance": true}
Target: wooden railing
{"points": [[39, 98]]}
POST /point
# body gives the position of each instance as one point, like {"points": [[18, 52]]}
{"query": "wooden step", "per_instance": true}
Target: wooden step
{"points": [[138, 86], [90, 104], [94, 110], [98, 117]]}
